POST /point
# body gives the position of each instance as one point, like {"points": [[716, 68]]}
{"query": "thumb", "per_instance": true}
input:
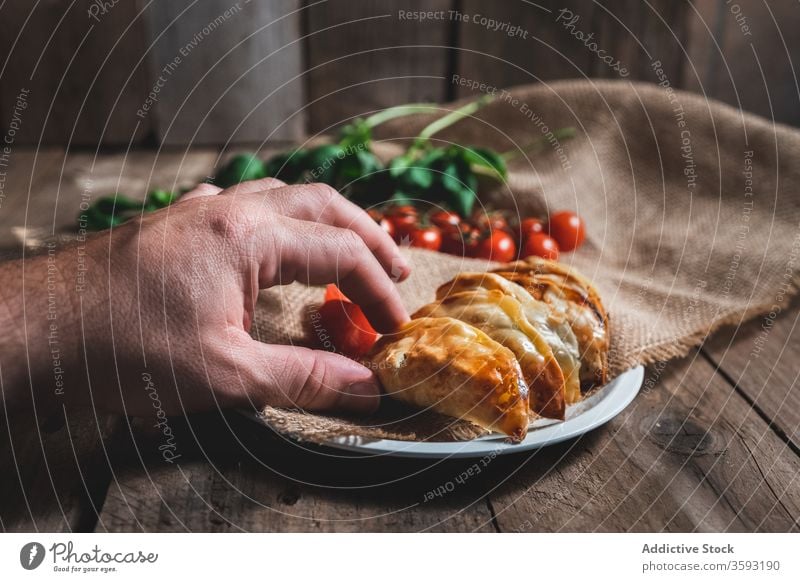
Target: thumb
{"points": [[313, 380]]}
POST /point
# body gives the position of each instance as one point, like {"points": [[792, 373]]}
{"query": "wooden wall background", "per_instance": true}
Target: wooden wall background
{"points": [[251, 71]]}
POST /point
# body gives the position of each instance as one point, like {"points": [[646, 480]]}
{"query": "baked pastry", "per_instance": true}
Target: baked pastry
{"points": [[456, 369], [500, 348], [572, 295], [552, 334]]}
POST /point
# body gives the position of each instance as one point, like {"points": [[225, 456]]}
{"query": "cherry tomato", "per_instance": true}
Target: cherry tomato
{"points": [[460, 240], [404, 219], [386, 224], [400, 209], [530, 226], [541, 245], [498, 246], [491, 220], [568, 229], [427, 237], [444, 218]]}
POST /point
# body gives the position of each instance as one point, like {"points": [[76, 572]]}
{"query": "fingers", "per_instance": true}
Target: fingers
{"points": [[318, 253], [292, 376], [201, 190], [321, 203]]}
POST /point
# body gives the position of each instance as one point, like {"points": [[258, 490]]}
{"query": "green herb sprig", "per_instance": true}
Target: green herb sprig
{"points": [[442, 175]]}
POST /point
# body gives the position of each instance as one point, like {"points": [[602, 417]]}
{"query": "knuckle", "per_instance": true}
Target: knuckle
{"points": [[310, 386], [259, 185], [233, 219], [324, 193], [351, 243]]}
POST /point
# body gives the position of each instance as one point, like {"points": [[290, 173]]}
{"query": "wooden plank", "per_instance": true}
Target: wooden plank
{"points": [[62, 183], [752, 60], [551, 40], [56, 479], [25, 183], [364, 56], [688, 455], [83, 70], [87, 177], [236, 476], [226, 71], [760, 356]]}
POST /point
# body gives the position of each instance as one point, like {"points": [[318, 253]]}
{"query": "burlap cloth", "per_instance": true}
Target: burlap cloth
{"points": [[692, 213]]}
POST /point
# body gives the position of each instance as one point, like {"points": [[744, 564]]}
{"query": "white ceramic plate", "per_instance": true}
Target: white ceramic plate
{"points": [[595, 411]]}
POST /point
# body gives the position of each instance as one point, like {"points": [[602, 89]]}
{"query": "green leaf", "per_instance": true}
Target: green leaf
{"points": [[110, 211], [462, 200], [446, 121], [159, 199], [357, 165], [322, 163], [287, 166], [486, 158], [419, 178], [241, 168], [355, 134], [398, 165]]}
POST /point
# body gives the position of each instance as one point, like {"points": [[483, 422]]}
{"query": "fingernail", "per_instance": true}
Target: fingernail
{"points": [[400, 268]]}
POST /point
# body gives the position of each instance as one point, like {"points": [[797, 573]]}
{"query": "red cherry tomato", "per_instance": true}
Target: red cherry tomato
{"points": [[491, 220], [401, 209], [460, 240], [541, 245], [498, 246], [429, 237], [568, 229], [404, 220], [530, 226], [444, 219], [386, 224]]}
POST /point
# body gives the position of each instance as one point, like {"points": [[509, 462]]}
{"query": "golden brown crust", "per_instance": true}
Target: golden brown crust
{"points": [[455, 369], [539, 367], [577, 297]]}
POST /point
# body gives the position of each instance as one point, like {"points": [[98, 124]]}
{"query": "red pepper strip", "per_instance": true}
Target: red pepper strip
{"points": [[333, 292], [347, 326]]}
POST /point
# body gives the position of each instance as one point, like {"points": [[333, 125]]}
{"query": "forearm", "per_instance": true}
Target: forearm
{"points": [[40, 344]]}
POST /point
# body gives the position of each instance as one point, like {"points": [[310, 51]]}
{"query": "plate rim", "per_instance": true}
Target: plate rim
{"points": [[599, 414]]}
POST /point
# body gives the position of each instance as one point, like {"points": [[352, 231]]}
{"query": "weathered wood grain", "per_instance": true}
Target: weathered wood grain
{"points": [[226, 71], [53, 479], [25, 189], [630, 33], [760, 357], [688, 455], [62, 183], [84, 71], [364, 56], [747, 54], [237, 476]]}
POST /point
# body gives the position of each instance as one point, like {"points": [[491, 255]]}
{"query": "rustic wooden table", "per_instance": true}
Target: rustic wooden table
{"points": [[712, 443]]}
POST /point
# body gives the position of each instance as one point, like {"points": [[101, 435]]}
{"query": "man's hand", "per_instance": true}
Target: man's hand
{"points": [[160, 307]]}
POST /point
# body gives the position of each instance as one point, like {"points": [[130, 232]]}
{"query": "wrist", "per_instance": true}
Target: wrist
{"points": [[40, 345]]}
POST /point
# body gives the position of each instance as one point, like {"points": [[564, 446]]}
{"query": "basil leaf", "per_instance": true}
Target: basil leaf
{"points": [[322, 163], [485, 158], [241, 168], [159, 199]]}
